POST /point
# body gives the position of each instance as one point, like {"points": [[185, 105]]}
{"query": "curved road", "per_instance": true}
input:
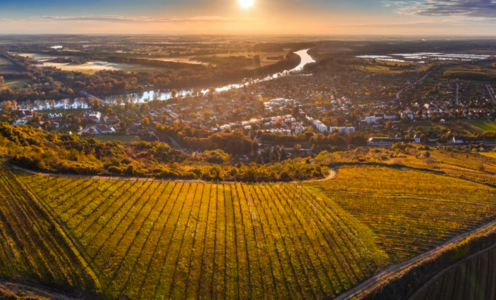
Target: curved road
{"points": [[332, 174]]}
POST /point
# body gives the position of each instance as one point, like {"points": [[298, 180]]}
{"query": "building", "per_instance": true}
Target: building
{"points": [[466, 140], [342, 129], [383, 141]]}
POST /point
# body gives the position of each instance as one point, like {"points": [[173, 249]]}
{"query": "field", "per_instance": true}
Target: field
{"points": [[475, 167], [489, 154], [481, 126], [95, 66], [15, 83], [410, 211], [472, 278], [7, 66], [89, 67], [150, 240], [32, 247]]}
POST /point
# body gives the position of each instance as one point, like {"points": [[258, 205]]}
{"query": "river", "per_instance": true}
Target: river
{"points": [[153, 95]]}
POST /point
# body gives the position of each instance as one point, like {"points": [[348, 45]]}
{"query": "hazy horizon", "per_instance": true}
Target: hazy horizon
{"points": [[273, 17]]}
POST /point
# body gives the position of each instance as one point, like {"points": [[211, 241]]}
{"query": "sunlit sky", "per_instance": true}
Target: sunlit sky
{"points": [[309, 17]]}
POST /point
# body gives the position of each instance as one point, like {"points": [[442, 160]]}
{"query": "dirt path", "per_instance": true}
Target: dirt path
{"points": [[11, 290], [359, 291], [332, 175]]}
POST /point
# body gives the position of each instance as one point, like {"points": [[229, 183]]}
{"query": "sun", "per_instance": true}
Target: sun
{"points": [[246, 3]]}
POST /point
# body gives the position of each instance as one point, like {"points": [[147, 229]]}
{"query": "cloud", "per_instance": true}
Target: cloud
{"points": [[122, 19], [463, 8]]}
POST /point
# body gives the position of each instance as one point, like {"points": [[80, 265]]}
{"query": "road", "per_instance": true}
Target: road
{"points": [[398, 94], [30, 291], [491, 92], [457, 89], [332, 175]]}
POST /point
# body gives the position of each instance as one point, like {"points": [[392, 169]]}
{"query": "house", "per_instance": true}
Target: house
{"points": [[417, 138], [105, 129], [342, 129], [21, 122], [466, 140], [24, 113], [409, 115], [111, 119], [390, 117], [384, 141], [370, 119]]}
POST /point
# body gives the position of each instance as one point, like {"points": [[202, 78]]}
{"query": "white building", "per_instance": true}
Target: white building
{"points": [[342, 129]]}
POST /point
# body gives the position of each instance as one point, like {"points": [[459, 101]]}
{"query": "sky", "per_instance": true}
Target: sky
{"points": [[271, 17]]}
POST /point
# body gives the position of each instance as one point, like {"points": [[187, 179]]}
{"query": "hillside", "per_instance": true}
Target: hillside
{"points": [[151, 239], [148, 239], [410, 211], [33, 248]]}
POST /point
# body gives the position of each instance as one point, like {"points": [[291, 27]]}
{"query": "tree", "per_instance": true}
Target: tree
{"points": [[389, 125], [2, 81], [297, 147], [423, 138], [174, 93], [254, 146], [145, 122], [6, 105]]}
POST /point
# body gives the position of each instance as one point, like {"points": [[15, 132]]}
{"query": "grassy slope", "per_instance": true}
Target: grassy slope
{"points": [[171, 239], [410, 211]]}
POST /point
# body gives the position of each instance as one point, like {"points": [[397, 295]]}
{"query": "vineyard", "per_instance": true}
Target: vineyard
{"points": [[410, 211], [148, 239], [32, 248], [472, 278]]}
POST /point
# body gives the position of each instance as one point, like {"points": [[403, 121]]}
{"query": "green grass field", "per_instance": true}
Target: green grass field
{"points": [[15, 83], [482, 125]]}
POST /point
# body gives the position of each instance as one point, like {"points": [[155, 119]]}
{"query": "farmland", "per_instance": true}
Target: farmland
{"points": [[148, 239], [32, 247], [15, 84], [410, 211]]}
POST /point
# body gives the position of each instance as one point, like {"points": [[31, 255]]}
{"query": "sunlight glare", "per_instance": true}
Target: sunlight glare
{"points": [[246, 3]]}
